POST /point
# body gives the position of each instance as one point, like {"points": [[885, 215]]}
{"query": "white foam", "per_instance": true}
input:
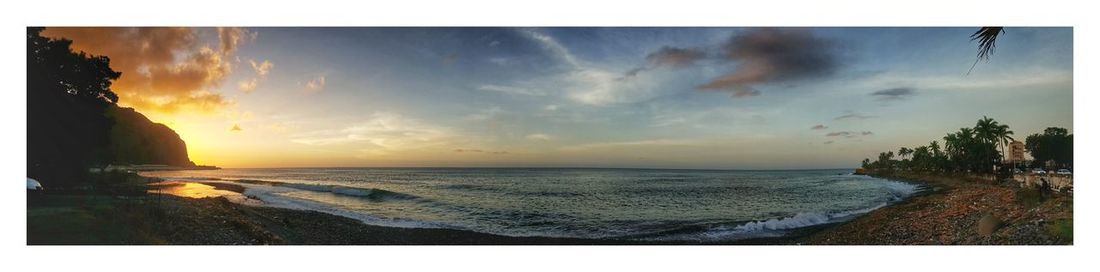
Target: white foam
{"points": [[274, 196], [777, 226]]}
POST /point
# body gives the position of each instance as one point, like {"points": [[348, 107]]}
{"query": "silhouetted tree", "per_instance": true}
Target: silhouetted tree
{"points": [[67, 95], [1054, 144]]}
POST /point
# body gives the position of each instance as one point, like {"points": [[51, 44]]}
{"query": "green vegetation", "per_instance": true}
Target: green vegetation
{"points": [[1054, 147], [1061, 229], [979, 149]]}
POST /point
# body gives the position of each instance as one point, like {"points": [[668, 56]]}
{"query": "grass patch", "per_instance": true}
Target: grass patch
{"points": [[1061, 229]]}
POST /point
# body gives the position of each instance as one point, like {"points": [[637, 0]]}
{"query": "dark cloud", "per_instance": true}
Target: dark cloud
{"points": [[848, 134], [480, 151], [893, 94], [766, 55], [674, 57], [854, 116], [819, 127]]}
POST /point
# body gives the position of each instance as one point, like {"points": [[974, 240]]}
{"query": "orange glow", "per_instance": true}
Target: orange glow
{"points": [[190, 189]]}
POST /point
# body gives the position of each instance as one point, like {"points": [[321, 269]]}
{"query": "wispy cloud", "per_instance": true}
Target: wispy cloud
{"points": [[587, 84], [552, 44], [640, 143], [262, 68], [855, 116], [848, 134], [819, 127], [316, 84], [248, 85], [509, 90], [893, 94], [539, 137], [460, 150], [381, 132]]}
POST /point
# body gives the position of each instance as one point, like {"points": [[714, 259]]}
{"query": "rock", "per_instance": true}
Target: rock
{"points": [[988, 224]]}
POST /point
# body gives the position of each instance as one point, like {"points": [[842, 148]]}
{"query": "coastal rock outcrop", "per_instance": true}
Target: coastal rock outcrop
{"points": [[137, 140]]}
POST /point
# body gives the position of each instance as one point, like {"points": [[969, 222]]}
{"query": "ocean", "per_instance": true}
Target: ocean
{"points": [[636, 204]]}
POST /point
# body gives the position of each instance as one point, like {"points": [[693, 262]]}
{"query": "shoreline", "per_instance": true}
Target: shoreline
{"points": [[151, 218], [957, 211]]}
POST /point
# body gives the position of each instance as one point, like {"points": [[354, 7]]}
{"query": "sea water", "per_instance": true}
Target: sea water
{"points": [[640, 204]]}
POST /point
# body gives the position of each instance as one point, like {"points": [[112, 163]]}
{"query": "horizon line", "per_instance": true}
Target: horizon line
{"points": [[532, 167]]}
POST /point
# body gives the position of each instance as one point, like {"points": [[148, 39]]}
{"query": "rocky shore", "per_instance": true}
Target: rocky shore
{"points": [[959, 211]]}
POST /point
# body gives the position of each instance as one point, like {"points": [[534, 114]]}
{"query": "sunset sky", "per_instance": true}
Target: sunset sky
{"points": [[725, 98]]}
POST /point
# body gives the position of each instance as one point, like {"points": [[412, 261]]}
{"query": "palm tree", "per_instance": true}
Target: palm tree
{"points": [[921, 158], [995, 133], [1004, 136], [990, 135], [937, 155], [902, 153]]}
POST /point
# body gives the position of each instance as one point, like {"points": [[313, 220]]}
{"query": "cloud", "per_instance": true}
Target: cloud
{"points": [[501, 61], [459, 150], [381, 132], [539, 137], [163, 69], [552, 45], [854, 116], [667, 56], [316, 84], [828, 142], [586, 83], [248, 86], [766, 55], [893, 94], [261, 68], [509, 90], [675, 57], [819, 127], [233, 37], [641, 143], [848, 134]]}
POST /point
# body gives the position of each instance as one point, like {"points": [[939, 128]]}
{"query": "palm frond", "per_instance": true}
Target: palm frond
{"points": [[987, 41]]}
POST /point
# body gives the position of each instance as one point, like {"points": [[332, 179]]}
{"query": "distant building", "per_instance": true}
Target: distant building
{"points": [[1016, 152]]}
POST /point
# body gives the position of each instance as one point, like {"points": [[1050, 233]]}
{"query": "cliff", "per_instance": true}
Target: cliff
{"points": [[134, 139]]}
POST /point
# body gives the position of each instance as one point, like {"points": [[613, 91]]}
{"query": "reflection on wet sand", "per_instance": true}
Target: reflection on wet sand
{"points": [[191, 189]]}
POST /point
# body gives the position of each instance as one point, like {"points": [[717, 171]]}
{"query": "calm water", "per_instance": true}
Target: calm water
{"points": [[586, 203]]}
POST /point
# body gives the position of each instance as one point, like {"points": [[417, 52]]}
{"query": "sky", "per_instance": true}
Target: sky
{"points": [[707, 98]]}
